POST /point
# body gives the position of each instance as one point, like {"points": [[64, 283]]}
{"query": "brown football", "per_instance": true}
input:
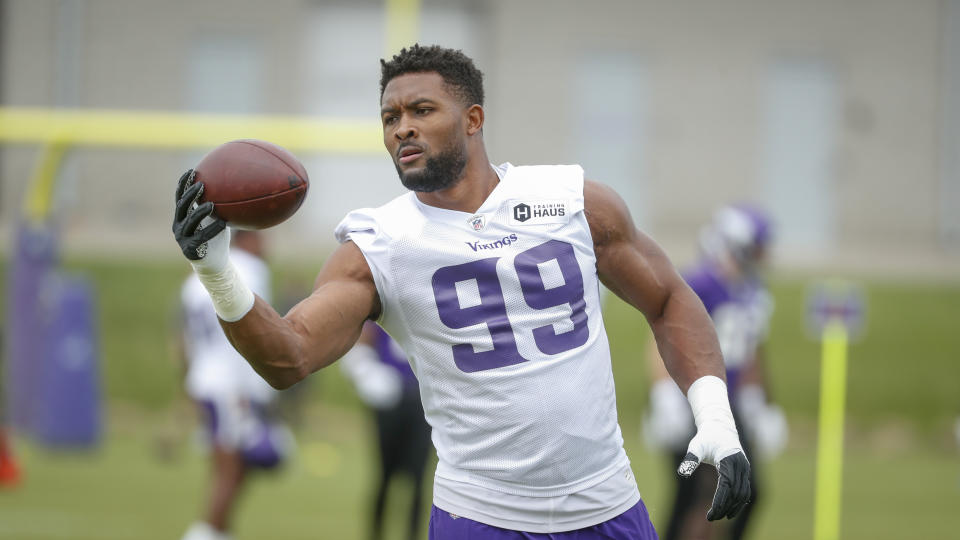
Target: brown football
{"points": [[253, 184]]}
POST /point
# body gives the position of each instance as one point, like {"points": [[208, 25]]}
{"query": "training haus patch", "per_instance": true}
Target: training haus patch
{"points": [[539, 212]]}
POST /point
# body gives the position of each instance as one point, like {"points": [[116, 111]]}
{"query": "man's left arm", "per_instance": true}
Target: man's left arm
{"points": [[637, 270]]}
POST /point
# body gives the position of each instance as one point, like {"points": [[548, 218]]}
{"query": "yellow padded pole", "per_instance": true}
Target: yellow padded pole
{"points": [[829, 475], [39, 197]]}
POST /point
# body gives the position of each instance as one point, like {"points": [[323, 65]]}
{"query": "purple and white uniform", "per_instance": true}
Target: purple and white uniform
{"points": [[741, 314], [499, 314], [233, 398]]}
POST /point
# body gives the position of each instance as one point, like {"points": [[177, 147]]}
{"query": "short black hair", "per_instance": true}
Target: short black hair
{"points": [[456, 68]]}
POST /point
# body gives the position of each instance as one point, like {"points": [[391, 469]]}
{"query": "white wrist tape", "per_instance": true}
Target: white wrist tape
{"points": [[232, 298], [709, 403], [716, 436]]}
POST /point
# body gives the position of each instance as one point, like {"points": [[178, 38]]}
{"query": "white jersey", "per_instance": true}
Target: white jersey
{"points": [[499, 314], [214, 368]]}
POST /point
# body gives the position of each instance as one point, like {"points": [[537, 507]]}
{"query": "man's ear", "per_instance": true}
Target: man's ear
{"points": [[474, 119]]}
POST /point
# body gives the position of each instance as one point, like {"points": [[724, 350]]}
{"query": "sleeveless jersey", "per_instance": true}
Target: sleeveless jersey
{"points": [[499, 314], [214, 367]]}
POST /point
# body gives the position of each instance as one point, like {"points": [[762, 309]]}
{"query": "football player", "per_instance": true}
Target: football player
{"points": [[379, 370], [728, 279], [235, 403], [488, 277]]}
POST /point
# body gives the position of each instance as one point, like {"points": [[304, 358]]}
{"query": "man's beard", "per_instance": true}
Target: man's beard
{"points": [[440, 172]]}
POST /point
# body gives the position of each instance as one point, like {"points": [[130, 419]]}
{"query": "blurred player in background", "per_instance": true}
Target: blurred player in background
{"points": [[488, 276], [379, 370], [9, 470], [728, 279], [235, 403]]}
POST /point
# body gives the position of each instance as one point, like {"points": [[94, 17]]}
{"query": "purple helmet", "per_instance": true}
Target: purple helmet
{"points": [[743, 231]]}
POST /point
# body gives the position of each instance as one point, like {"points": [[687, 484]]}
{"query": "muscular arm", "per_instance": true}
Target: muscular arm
{"points": [[317, 331], [634, 267]]}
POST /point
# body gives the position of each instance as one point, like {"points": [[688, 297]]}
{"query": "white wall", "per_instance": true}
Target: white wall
{"points": [[699, 122]]}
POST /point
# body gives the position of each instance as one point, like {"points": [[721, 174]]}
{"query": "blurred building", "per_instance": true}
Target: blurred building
{"points": [[843, 118]]}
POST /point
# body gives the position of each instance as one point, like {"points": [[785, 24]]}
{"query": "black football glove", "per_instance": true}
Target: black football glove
{"points": [[733, 486], [187, 230]]}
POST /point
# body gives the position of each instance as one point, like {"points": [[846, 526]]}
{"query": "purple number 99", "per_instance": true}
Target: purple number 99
{"points": [[492, 310], [538, 296]]}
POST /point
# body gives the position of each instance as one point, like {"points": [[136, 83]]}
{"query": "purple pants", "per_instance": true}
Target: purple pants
{"points": [[634, 524]]}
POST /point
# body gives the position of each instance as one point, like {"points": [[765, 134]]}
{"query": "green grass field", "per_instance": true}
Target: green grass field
{"points": [[146, 481]]}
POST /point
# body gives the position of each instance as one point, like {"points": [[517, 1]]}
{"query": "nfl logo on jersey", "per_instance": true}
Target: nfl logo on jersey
{"points": [[477, 222]]}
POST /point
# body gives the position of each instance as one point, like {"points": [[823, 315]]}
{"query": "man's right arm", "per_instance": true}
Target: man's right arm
{"points": [[317, 331], [283, 350]]}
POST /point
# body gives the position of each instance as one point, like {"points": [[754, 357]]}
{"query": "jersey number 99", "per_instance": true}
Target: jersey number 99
{"points": [[492, 309]]}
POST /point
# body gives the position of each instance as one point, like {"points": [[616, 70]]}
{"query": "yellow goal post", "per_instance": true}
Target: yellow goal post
{"points": [[56, 130]]}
